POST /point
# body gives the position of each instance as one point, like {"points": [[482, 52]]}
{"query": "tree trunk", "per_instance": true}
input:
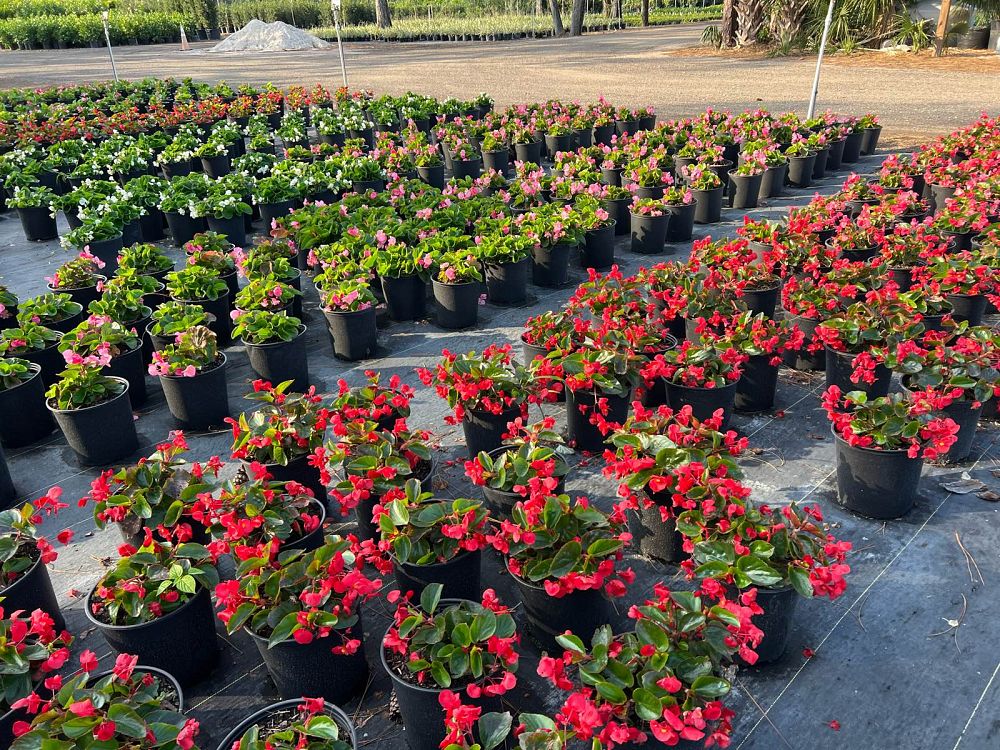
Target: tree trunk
{"points": [[383, 19], [557, 27], [539, 7], [789, 17], [750, 18], [645, 12], [728, 27], [576, 20]]}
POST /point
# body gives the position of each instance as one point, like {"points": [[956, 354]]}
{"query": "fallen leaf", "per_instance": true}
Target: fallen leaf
{"points": [[963, 486], [815, 436], [834, 725], [996, 473], [988, 495], [808, 653]]}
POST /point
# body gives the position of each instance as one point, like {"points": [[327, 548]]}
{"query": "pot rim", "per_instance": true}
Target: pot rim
{"points": [[219, 366], [26, 573], [302, 329], [98, 279], [139, 625], [148, 670], [335, 712], [887, 452], [123, 394], [431, 566], [327, 311], [395, 677], [36, 370], [716, 388]]}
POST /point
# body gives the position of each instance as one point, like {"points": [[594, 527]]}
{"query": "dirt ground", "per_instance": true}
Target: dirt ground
{"points": [[915, 100]]}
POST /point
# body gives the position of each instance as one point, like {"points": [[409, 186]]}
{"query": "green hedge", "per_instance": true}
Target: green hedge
{"points": [[80, 30]]}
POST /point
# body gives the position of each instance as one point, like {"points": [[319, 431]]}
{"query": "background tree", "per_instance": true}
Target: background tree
{"points": [[383, 19], [576, 20], [728, 29], [557, 26], [644, 9], [751, 15]]}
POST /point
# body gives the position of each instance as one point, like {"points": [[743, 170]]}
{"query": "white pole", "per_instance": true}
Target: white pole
{"points": [[107, 38], [819, 59], [335, 6]]}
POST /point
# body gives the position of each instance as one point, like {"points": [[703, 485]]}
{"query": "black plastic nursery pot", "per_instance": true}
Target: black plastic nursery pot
{"points": [[484, 431], [580, 405], [456, 305], [151, 225], [234, 229], [649, 233], [619, 210], [507, 283], [869, 140], [498, 161], [599, 248], [772, 183], [216, 166], [460, 577], [648, 192], [24, 418], [800, 170], [708, 205], [967, 418], [49, 359], [200, 402], [582, 612], [82, 295], [852, 147], [299, 470], [271, 211], [703, 401], [420, 709], [819, 166], [367, 529], [312, 669], [758, 383], [762, 300], [183, 228], [653, 536], [102, 433], [353, 334], [940, 194], [433, 175], [107, 251], [367, 186], [219, 321], [68, 323], [312, 539], [462, 168], [744, 190], [38, 223], [776, 622], [835, 156], [875, 483], [405, 297], [33, 590], [681, 225], [804, 359], [556, 143], [612, 176], [968, 307], [602, 134], [178, 168], [131, 367], [289, 708], [840, 366], [278, 361], [182, 642], [528, 152], [550, 264]]}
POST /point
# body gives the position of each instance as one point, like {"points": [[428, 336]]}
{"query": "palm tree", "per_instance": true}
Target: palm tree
{"points": [[751, 15]]}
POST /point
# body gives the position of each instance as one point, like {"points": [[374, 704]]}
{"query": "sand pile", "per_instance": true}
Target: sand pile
{"points": [[258, 36]]}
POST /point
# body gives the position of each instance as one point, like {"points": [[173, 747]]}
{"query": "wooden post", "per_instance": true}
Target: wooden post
{"points": [[942, 27]]}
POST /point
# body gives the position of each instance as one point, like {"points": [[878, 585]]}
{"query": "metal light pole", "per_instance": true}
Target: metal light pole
{"points": [[335, 7], [107, 38], [819, 59]]}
